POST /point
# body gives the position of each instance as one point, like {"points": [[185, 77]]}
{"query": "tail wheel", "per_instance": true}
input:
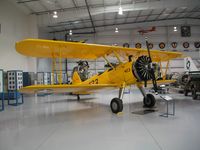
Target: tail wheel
{"points": [[116, 105], [194, 93], [149, 100]]}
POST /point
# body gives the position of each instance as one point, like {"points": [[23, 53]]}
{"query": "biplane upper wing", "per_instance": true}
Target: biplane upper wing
{"points": [[50, 49], [66, 88]]}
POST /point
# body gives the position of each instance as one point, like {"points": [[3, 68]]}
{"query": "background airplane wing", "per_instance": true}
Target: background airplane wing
{"points": [[66, 88], [50, 48]]}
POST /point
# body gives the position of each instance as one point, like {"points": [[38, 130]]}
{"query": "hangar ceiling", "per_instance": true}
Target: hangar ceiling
{"points": [[93, 14]]}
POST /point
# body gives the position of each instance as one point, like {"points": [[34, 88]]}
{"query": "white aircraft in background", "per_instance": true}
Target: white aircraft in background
{"points": [[189, 65]]}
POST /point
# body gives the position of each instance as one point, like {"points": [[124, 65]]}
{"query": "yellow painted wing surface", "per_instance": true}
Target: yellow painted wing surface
{"points": [[50, 48], [66, 88], [160, 82]]}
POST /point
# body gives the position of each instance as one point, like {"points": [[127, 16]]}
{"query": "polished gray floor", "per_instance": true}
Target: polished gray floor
{"points": [[61, 122]]}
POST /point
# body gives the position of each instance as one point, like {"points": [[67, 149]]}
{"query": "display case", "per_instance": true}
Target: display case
{"points": [[28, 78], [15, 83], [44, 78], [1, 90], [15, 80]]}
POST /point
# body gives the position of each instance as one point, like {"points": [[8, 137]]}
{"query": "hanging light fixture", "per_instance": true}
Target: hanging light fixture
{"points": [[55, 14], [120, 12], [70, 32], [175, 29], [116, 30]]}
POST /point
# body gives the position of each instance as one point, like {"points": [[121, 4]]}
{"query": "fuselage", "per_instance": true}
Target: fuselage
{"points": [[122, 73]]}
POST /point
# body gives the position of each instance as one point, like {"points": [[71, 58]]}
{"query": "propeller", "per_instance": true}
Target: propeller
{"points": [[151, 68], [145, 70]]}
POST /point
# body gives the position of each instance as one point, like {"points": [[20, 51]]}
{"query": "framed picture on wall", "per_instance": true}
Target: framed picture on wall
{"points": [[186, 44], [126, 45], [197, 44], [174, 44], [150, 45], [162, 45], [185, 31], [138, 45]]}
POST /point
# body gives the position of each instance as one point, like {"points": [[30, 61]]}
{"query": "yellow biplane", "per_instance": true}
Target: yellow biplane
{"points": [[134, 67]]}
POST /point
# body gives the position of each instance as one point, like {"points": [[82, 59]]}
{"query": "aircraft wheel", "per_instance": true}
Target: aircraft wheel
{"points": [[194, 93], [149, 101], [116, 105]]}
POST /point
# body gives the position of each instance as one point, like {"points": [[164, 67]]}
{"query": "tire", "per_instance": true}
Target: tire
{"points": [[149, 101], [194, 93], [116, 105], [186, 92]]}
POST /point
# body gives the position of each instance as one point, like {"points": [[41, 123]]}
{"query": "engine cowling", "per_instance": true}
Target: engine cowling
{"points": [[143, 68]]}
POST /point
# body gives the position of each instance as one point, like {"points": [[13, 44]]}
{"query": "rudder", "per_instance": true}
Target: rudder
{"points": [[189, 65]]}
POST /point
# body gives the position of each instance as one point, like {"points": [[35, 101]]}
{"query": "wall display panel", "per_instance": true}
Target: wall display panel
{"points": [[15, 79]]}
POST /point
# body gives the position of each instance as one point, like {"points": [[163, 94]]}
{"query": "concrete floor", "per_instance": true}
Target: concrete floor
{"points": [[61, 122]]}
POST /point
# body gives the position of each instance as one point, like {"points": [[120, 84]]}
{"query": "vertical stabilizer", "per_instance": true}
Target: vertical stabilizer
{"points": [[76, 78], [189, 65]]}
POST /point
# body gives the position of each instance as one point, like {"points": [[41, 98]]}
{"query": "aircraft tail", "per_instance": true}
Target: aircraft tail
{"points": [[76, 78], [189, 65]]}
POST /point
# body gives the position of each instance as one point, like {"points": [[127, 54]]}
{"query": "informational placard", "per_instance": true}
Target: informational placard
{"points": [[1, 81]]}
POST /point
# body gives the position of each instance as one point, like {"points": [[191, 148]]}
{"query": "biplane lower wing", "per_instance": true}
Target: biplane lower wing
{"points": [[66, 88], [84, 89], [160, 82]]}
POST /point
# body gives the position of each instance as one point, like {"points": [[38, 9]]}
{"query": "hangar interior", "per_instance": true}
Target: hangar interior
{"points": [[60, 121]]}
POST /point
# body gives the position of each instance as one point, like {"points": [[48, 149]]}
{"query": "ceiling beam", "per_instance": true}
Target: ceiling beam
{"points": [[133, 22], [99, 9], [150, 14], [26, 1], [88, 9], [87, 20]]}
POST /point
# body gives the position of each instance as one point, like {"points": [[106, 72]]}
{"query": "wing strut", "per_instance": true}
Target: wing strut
{"points": [[60, 67], [53, 68], [166, 69], [108, 61], [117, 56]]}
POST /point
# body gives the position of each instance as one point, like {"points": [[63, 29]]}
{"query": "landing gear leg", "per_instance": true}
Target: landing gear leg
{"points": [[116, 104], [78, 97], [148, 100]]}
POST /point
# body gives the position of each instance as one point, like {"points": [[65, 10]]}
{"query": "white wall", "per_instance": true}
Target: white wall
{"points": [[15, 26], [44, 65], [164, 34], [129, 33]]}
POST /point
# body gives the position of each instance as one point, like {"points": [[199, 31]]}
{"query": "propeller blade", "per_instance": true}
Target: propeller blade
{"points": [[150, 67]]}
